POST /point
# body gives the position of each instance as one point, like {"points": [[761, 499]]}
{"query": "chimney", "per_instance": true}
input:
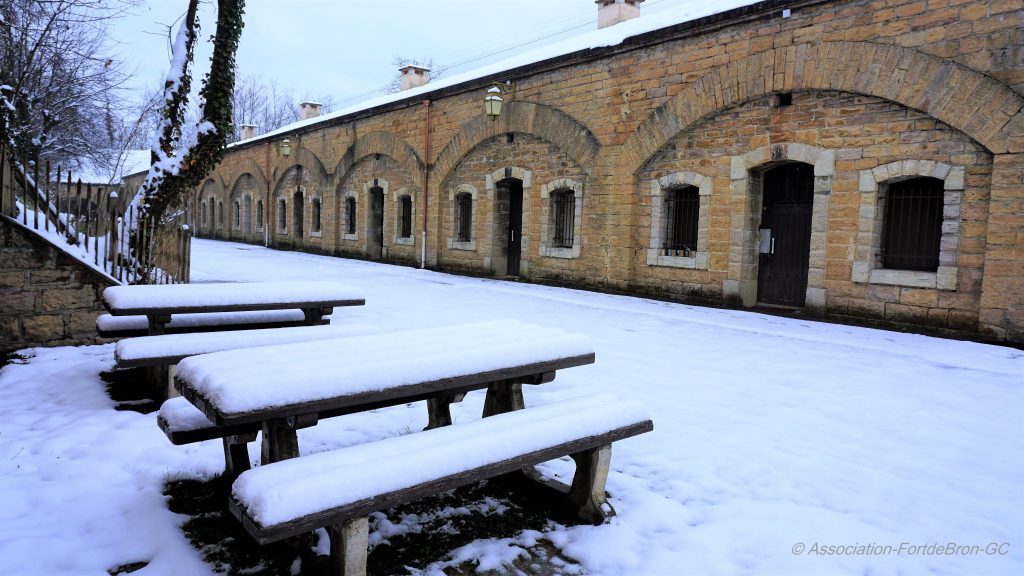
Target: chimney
{"points": [[248, 131], [309, 110], [413, 76], [611, 12]]}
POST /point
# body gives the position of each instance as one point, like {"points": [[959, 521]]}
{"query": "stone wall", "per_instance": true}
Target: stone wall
{"points": [[47, 298], [867, 92]]}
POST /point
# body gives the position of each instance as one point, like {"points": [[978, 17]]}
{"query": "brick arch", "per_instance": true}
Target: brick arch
{"points": [[856, 67], [251, 168], [383, 143], [300, 156], [544, 122]]}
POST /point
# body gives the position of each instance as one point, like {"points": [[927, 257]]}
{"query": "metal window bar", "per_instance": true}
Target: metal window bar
{"points": [[406, 217], [913, 225], [564, 213], [682, 210], [464, 216], [316, 215], [350, 215]]}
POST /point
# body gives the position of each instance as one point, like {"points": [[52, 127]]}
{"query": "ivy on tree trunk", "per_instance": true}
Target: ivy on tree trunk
{"points": [[165, 188]]}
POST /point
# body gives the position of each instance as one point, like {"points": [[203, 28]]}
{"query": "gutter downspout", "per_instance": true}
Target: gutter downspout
{"points": [[426, 175], [266, 200]]}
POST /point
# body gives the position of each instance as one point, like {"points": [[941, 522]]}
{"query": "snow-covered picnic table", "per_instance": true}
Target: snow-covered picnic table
{"points": [[159, 303], [286, 387]]}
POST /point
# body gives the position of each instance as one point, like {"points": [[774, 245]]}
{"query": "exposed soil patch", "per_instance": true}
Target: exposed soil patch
{"points": [[127, 387]]}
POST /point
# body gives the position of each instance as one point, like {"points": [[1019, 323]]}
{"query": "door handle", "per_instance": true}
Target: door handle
{"points": [[513, 235], [773, 246]]}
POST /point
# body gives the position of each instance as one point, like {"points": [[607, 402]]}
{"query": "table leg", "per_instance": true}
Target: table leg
{"points": [[157, 377], [280, 441], [236, 454], [315, 316], [503, 396], [439, 412]]}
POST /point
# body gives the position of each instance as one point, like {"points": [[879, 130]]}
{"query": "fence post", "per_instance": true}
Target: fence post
{"points": [[6, 187], [112, 237]]}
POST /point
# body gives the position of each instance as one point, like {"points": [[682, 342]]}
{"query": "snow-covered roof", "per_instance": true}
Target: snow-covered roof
{"points": [[610, 36], [129, 162]]}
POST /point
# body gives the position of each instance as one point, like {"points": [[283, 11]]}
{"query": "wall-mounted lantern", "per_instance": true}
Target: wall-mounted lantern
{"points": [[493, 98], [286, 148]]}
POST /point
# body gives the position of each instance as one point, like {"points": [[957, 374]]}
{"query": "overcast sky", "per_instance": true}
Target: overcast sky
{"points": [[345, 48]]}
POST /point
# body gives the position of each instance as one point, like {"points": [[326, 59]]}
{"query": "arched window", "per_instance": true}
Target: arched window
{"points": [[259, 214], [315, 216], [405, 217], [350, 215], [464, 217], [912, 225], [681, 214], [563, 213]]}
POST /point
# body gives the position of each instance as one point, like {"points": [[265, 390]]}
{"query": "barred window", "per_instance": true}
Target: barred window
{"points": [[316, 214], [350, 215], [282, 214], [405, 216], [913, 224], [236, 217], [563, 213], [464, 216], [220, 213], [202, 213], [259, 214], [682, 209]]}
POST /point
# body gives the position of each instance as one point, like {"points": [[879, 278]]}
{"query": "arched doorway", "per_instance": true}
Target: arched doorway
{"points": [[508, 226], [784, 233]]}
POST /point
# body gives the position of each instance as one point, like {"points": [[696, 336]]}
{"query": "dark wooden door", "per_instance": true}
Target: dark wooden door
{"points": [[788, 199], [515, 227], [375, 234], [299, 210]]}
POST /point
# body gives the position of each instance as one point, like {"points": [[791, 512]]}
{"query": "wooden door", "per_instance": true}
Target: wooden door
{"points": [[515, 227], [375, 232], [788, 200]]}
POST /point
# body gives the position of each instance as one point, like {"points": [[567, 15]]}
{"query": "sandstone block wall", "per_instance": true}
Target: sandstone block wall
{"points": [[46, 297], [881, 90]]}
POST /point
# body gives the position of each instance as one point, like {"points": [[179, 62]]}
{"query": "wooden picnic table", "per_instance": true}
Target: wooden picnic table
{"points": [[287, 387], [159, 303]]}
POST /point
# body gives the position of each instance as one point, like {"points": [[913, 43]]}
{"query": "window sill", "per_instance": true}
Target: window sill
{"points": [[945, 278], [283, 231], [316, 234], [454, 244], [405, 241], [350, 236], [699, 260], [561, 252]]}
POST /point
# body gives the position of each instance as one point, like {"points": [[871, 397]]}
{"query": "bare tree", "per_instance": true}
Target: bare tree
{"points": [[268, 106], [59, 78]]}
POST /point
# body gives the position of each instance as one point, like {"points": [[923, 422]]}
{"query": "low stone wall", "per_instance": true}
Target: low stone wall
{"points": [[47, 298]]}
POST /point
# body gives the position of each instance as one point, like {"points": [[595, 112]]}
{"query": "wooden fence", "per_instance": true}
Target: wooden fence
{"points": [[93, 223]]}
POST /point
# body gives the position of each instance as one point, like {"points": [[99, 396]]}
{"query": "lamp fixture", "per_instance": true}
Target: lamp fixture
{"points": [[286, 148], [493, 97]]}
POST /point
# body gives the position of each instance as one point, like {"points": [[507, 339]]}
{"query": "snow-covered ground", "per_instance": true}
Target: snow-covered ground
{"points": [[774, 439]]}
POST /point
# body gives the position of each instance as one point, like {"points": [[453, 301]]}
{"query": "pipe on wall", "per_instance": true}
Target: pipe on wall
{"points": [[426, 181]]}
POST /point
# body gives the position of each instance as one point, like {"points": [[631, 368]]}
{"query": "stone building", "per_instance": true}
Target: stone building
{"points": [[856, 159]]}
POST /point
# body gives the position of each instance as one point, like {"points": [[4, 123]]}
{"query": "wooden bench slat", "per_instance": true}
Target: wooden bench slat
{"points": [[172, 348], [374, 368], [294, 496], [226, 297], [109, 326]]}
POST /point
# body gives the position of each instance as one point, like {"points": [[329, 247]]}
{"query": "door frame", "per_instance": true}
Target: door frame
{"points": [[493, 260], [368, 187], [762, 286], [740, 286]]}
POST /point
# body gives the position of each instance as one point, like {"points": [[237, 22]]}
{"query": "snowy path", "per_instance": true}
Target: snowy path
{"points": [[769, 433]]}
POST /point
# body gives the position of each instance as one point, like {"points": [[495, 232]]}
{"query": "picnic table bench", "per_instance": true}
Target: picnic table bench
{"points": [[156, 310], [240, 391]]}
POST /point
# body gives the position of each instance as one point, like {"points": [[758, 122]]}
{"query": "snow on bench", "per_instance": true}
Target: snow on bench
{"points": [[338, 489], [172, 348], [110, 326]]}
